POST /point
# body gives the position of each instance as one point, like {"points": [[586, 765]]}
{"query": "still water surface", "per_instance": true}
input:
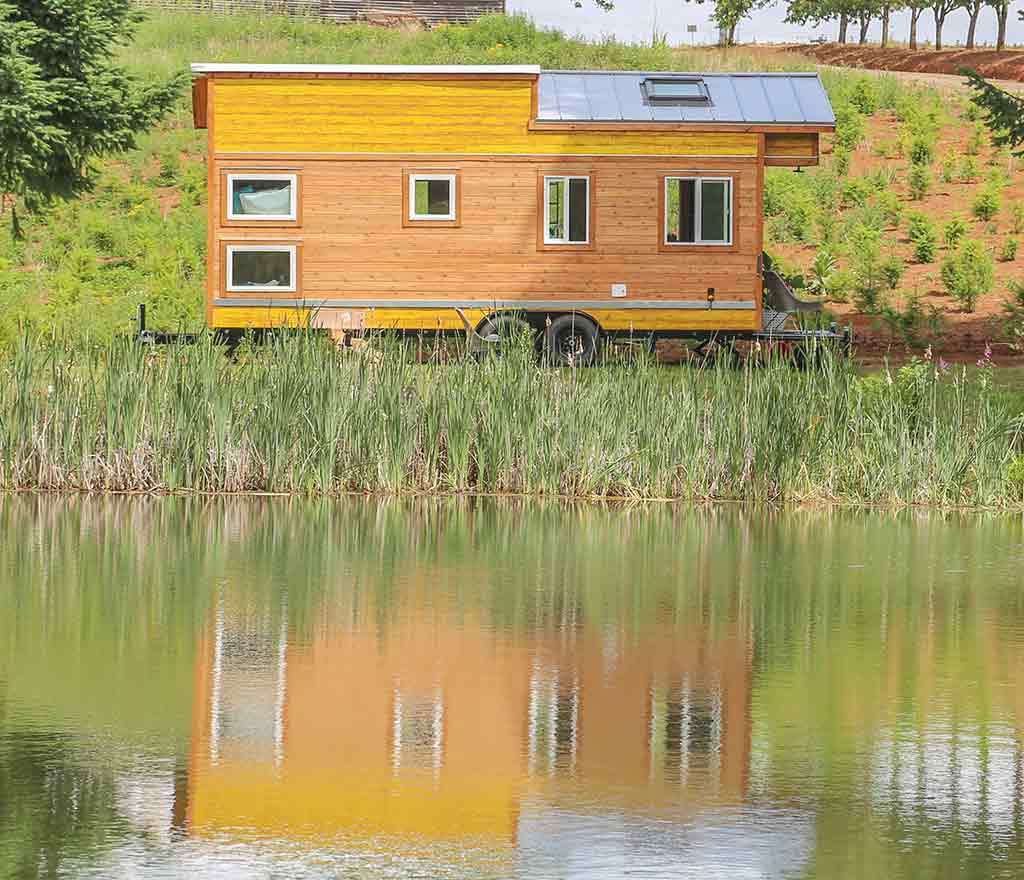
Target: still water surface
{"points": [[392, 689]]}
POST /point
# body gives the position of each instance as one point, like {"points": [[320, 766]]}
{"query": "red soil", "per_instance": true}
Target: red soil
{"points": [[1007, 64]]}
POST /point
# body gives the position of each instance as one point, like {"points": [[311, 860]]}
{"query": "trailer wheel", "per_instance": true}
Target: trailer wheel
{"points": [[571, 341], [500, 332]]}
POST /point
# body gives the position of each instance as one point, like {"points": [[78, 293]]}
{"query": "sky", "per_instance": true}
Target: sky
{"points": [[635, 20]]}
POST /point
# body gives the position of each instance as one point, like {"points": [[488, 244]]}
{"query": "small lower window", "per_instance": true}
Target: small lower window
{"points": [[566, 210], [698, 210], [266, 197], [261, 267], [432, 197]]}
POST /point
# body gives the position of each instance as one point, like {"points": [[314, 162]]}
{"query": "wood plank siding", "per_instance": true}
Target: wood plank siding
{"points": [[430, 12], [355, 246]]}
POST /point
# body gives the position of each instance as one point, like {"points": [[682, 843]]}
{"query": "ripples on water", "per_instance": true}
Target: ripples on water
{"points": [[451, 689]]}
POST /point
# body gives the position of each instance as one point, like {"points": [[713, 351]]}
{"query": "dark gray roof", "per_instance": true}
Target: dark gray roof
{"points": [[754, 98]]}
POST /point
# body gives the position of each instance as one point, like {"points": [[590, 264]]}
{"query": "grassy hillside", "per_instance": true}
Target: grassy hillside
{"points": [[141, 235]]}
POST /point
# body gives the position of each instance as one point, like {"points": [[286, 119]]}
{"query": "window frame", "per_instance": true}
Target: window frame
{"points": [[409, 215], [230, 218], [649, 87], [230, 248], [700, 244], [544, 241]]}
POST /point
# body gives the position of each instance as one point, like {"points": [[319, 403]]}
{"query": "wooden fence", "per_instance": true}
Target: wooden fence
{"points": [[430, 12]]}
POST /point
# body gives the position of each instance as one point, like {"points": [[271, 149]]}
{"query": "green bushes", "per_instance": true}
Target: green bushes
{"points": [[1008, 252], [986, 203], [300, 416], [923, 236], [968, 274], [919, 180], [953, 231]]}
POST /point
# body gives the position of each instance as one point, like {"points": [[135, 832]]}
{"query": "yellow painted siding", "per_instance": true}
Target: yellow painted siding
{"points": [[275, 115], [448, 319], [237, 318]]}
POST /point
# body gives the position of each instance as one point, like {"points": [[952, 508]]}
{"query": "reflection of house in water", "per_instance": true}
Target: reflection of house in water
{"points": [[445, 735]]}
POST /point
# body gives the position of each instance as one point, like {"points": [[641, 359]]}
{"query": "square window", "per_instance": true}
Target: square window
{"points": [[675, 91], [432, 197], [263, 197], [566, 210], [698, 211], [261, 267]]}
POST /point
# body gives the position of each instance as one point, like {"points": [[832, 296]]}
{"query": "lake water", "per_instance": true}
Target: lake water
{"points": [[389, 689]]}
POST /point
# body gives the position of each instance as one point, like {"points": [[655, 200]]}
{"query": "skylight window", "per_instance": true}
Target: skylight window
{"points": [[675, 91]]}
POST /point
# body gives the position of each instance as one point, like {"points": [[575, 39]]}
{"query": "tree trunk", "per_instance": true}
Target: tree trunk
{"points": [[915, 14], [865, 23], [16, 230], [844, 21], [885, 26], [974, 10], [1002, 14], [730, 39], [940, 20]]}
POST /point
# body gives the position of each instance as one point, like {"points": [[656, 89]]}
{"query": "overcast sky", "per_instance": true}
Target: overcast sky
{"points": [[634, 20]]}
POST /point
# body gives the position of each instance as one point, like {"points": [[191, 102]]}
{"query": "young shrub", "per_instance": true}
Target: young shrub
{"points": [[869, 278], [886, 148], [968, 169], [924, 238], [968, 274], [976, 140], [891, 207], [1008, 252], [841, 285], [818, 279], [1017, 218], [949, 167], [849, 127], [892, 269], [827, 226], [914, 325], [919, 180], [953, 231], [854, 193], [865, 96], [971, 112], [986, 203], [922, 151], [841, 161]]}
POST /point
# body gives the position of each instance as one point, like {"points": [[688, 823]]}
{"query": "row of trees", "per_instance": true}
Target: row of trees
{"points": [[861, 13]]}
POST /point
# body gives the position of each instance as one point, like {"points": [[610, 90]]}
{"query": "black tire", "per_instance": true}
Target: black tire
{"points": [[508, 327], [571, 341]]}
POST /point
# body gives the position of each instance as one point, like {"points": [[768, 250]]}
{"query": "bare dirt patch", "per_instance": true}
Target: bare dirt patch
{"points": [[1007, 64]]}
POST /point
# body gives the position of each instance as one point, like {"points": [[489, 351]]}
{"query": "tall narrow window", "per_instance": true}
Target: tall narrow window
{"points": [[566, 210], [698, 210], [432, 197], [264, 197]]}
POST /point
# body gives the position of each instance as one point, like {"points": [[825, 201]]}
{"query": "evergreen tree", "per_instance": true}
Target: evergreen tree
{"points": [[64, 99], [1004, 113]]}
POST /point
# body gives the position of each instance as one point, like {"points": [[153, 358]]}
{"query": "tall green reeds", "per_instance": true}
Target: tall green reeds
{"points": [[298, 415]]}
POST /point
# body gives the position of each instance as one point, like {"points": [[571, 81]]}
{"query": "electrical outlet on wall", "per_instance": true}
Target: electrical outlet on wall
{"points": [[619, 290]]}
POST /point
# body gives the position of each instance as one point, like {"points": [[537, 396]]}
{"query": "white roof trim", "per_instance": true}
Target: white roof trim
{"points": [[462, 69]]}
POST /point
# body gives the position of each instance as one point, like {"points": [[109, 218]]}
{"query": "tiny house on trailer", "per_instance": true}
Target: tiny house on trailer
{"points": [[421, 198]]}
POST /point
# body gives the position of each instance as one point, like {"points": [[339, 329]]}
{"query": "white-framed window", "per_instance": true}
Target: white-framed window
{"points": [[252, 267], [566, 210], [554, 718], [698, 210], [432, 196], [264, 197]]}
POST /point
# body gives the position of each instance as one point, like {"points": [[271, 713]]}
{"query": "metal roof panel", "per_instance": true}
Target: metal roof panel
{"points": [[751, 98]]}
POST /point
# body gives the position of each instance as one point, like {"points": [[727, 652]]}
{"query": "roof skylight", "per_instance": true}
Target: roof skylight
{"points": [[675, 91]]}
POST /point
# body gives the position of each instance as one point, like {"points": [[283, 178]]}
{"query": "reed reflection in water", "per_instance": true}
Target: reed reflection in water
{"points": [[443, 688]]}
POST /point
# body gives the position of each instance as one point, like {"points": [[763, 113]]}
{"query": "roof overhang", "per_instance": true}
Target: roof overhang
{"points": [[372, 69]]}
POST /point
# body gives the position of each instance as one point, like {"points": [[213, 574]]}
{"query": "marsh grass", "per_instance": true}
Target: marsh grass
{"points": [[298, 415]]}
